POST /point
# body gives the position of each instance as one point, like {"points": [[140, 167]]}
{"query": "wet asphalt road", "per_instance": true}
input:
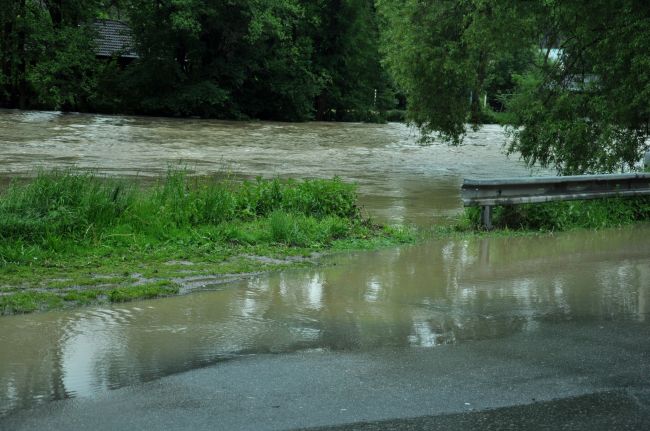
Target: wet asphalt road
{"points": [[563, 375], [601, 411]]}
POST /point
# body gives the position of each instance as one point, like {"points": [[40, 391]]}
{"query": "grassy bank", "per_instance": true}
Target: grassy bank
{"points": [[69, 238], [561, 216]]}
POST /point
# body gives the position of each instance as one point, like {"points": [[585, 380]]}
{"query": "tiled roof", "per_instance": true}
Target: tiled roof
{"points": [[114, 37]]}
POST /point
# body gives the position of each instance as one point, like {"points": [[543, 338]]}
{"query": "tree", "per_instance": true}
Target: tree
{"points": [[346, 57], [588, 111], [268, 59], [273, 59], [585, 111], [242, 58], [14, 25], [441, 54], [46, 53]]}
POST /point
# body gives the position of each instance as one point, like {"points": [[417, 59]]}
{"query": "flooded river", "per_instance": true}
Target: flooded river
{"points": [[399, 180], [448, 292]]}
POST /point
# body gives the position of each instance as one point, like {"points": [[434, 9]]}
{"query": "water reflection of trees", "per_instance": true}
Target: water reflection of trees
{"points": [[30, 364], [444, 292]]}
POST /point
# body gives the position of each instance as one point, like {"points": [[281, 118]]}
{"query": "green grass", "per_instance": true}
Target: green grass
{"points": [[561, 216], [67, 205], [143, 291], [70, 238], [26, 302]]}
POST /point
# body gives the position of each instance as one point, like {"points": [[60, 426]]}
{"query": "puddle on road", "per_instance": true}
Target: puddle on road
{"points": [[442, 292]]}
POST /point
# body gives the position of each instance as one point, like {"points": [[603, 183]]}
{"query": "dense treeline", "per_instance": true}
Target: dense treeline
{"points": [[570, 77], [268, 59]]}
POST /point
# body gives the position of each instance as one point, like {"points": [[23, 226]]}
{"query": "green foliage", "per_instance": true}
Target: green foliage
{"points": [[143, 291], [26, 302], [396, 115], [558, 216], [445, 55], [61, 205], [299, 231], [46, 54], [587, 112], [274, 59], [347, 60], [71, 238], [582, 108]]}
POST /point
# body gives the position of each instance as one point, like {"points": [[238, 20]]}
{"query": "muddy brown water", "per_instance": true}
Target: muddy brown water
{"points": [[399, 180], [442, 292]]}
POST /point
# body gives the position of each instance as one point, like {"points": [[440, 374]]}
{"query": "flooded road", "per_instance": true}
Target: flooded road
{"points": [[477, 300], [451, 292]]}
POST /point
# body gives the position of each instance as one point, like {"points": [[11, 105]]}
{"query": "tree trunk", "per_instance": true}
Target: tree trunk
{"points": [[475, 107], [54, 7], [22, 62], [321, 107]]}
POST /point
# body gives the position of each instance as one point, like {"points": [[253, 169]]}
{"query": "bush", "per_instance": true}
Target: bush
{"points": [[552, 216], [396, 115], [63, 205]]}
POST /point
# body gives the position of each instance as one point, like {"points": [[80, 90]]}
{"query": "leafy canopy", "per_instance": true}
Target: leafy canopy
{"points": [[578, 103], [267, 59]]}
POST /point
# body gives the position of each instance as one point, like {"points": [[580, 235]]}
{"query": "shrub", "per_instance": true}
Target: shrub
{"points": [[597, 213], [65, 205]]}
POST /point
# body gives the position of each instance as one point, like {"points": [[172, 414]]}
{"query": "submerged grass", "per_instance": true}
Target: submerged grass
{"points": [[143, 291], [70, 237]]}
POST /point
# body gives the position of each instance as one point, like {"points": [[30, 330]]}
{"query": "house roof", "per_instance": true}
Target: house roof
{"points": [[114, 38]]}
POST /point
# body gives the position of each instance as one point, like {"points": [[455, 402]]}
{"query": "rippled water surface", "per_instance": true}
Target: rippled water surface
{"points": [[399, 180], [442, 292]]}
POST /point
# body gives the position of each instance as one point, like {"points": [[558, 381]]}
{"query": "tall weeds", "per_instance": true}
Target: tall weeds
{"points": [[68, 205]]}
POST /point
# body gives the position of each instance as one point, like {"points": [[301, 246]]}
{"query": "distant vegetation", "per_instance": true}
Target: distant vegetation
{"points": [[274, 59], [71, 237], [569, 78]]}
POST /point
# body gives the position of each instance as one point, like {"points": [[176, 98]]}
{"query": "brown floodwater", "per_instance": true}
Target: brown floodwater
{"points": [[442, 292], [439, 293], [399, 180]]}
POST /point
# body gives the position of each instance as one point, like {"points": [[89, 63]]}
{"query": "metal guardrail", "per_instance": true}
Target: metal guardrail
{"points": [[513, 191]]}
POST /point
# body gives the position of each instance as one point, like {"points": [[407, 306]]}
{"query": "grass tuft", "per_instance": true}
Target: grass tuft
{"points": [[143, 291], [59, 209]]}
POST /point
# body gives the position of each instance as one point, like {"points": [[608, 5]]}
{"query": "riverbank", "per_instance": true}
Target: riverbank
{"points": [[74, 238]]}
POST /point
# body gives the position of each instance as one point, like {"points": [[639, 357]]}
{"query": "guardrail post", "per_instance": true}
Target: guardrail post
{"points": [[486, 216], [486, 194]]}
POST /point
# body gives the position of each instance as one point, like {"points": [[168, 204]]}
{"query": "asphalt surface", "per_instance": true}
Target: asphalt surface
{"points": [[560, 376], [601, 411]]}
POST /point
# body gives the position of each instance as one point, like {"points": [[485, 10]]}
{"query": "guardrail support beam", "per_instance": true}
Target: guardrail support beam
{"points": [[530, 190], [486, 217]]}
